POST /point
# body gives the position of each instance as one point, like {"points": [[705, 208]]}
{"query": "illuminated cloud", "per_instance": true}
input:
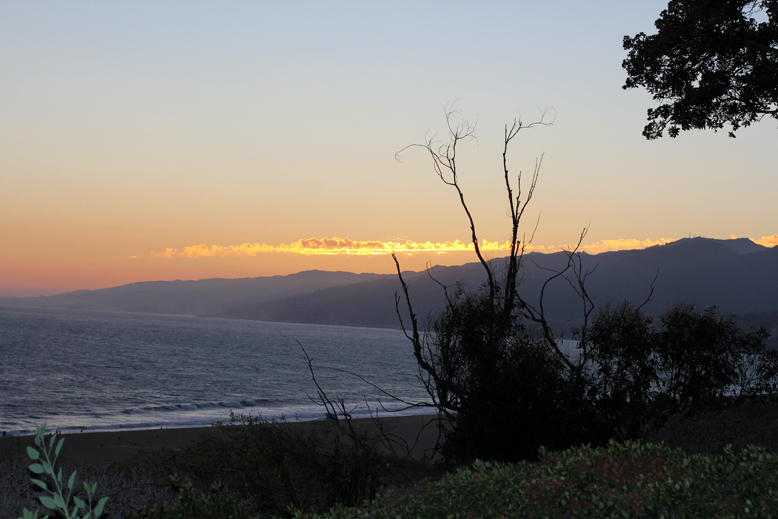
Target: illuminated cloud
{"points": [[167, 253], [343, 246], [326, 246], [768, 241]]}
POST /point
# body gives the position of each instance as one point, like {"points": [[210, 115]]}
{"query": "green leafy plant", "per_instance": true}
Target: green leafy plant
{"points": [[618, 481], [45, 460]]}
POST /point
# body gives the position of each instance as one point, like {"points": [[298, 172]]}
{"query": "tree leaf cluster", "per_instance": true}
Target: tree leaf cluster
{"points": [[711, 64]]}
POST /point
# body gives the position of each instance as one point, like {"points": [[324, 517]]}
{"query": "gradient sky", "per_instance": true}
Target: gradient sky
{"points": [[130, 131]]}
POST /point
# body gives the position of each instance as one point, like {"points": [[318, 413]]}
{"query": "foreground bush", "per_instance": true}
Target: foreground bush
{"points": [[192, 504], [269, 465], [622, 480]]}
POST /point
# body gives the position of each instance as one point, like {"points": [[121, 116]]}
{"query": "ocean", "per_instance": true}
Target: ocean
{"points": [[79, 370]]}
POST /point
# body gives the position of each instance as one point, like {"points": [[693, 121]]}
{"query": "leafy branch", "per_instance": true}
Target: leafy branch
{"points": [[45, 460]]}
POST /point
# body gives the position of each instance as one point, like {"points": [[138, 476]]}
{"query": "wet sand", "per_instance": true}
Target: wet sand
{"points": [[96, 447]]}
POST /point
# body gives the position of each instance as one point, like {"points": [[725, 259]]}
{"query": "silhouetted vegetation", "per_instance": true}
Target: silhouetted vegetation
{"points": [[503, 390], [192, 503], [712, 63], [689, 361], [269, 465], [508, 385], [254, 468], [507, 393]]}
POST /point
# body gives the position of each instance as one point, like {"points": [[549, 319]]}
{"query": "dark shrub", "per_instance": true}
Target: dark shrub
{"points": [[270, 465], [693, 359], [703, 354], [191, 504], [509, 393], [512, 392], [520, 402], [621, 344]]}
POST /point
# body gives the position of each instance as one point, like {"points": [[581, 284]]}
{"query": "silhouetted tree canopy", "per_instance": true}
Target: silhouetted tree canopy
{"points": [[712, 63]]}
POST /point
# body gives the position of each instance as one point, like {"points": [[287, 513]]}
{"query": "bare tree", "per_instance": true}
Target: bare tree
{"points": [[495, 369], [460, 350]]}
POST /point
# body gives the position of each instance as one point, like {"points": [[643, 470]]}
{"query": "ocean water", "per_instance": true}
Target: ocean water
{"points": [[73, 369]]}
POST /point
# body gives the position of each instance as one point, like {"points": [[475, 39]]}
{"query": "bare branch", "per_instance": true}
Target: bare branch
{"points": [[415, 338], [333, 409], [538, 315], [651, 293]]}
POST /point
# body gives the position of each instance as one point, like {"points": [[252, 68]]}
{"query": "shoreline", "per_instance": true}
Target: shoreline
{"points": [[109, 446], [289, 415]]}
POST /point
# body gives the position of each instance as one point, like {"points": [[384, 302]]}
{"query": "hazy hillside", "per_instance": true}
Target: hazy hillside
{"points": [[369, 303], [201, 297], [738, 276]]}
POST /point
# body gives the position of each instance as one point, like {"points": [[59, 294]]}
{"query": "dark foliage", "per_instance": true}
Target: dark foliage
{"points": [[272, 465], [506, 383], [621, 349], [691, 360], [514, 394], [510, 394], [711, 64], [705, 355], [192, 503], [501, 387]]}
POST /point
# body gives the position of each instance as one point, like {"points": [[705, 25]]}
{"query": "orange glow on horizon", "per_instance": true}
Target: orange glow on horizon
{"points": [[767, 241], [342, 246]]}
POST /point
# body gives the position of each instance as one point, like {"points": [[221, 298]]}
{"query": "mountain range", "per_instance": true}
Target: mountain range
{"points": [[738, 276]]}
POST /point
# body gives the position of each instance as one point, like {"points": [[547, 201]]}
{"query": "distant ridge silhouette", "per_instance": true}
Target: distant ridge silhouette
{"points": [[737, 275]]}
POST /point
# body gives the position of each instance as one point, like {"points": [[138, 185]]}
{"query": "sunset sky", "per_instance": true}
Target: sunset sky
{"points": [[186, 140]]}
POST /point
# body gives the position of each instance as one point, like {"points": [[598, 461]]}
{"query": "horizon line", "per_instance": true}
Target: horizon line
{"points": [[343, 246]]}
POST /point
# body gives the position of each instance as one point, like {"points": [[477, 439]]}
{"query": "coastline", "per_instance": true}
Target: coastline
{"points": [[417, 431]]}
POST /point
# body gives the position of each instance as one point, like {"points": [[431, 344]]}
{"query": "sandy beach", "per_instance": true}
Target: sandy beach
{"points": [[96, 447]]}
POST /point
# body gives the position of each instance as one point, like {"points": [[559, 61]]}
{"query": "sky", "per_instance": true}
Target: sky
{"points": [[187, 140]]}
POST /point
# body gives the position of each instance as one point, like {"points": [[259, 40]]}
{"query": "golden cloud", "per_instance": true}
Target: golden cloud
{"points": [[167, 253], [328, 247], [343, 246], [768, 241]]}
